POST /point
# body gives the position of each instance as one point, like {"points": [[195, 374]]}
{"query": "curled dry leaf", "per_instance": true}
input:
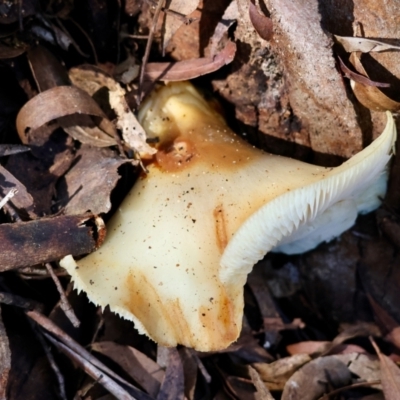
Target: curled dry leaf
{"points": [[92, 79], [370, 96], [190, 69], [262, 24], [276, 374], [365, 45], [53, 104], [43, 240], [316, 378]]}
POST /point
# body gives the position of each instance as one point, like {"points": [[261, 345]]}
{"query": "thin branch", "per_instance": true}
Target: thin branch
{"points": [[64, 303], [7, 197], [52, 362], [148, 47], [112, 386], [74, 346], [352, 386]]}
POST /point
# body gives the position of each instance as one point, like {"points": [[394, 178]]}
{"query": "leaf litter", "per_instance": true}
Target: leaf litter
{"points": [[82, 137]]}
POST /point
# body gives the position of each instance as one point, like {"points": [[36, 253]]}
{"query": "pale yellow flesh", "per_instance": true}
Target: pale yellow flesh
{"points": [[160, 264]]}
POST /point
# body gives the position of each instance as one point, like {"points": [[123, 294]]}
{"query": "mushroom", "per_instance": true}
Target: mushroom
{"points": [[180, 247]]}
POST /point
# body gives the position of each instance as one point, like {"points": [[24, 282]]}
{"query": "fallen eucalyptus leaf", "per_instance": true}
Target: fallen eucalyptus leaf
{"points": [[190, 69], [370, 96], [351, 44]]}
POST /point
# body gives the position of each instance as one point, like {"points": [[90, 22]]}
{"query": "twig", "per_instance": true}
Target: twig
{"points": [[148, 47], [112, 386], [64, 303], [354, 385], [74, 346], [53, 364], [7, 197], [96, 60], [18, 301]]}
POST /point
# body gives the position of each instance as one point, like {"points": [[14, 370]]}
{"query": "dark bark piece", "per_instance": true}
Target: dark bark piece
{"points": [[44, 240], [31, 377], [329, 276], [93, 169], [5, 357], [316, 90], [380, 275], [46, 69]]}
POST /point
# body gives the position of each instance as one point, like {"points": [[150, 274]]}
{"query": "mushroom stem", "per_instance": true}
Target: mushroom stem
{"points": [[182, 243]]}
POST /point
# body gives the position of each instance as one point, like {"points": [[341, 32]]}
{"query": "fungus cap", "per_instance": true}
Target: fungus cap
{"points": [[180, 247]]}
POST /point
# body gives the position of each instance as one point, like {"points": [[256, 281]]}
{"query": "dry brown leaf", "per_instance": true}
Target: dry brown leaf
{"points": [[91, 79], [60, 101], [365, 45], [190, 69], [276, 374], [5, 357], [348, 73], [46, 69], [365, 366], [7, 52], [262, 24], [47, 239], [142, 369], [94, 168], [316, 378], [390, 375], [262, 391], [308, 347], [189, 371], [370, 96], [172, 387], [172, 21]]}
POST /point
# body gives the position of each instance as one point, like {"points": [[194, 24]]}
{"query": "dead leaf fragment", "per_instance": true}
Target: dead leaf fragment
{"points": [[262, 391], [190, 69], [365, 45], [175, 18], [316, 378], [91, 79], [390, 375], [94, 169], [370, 96], [172, 387], [43, 240], [276, 374], [262, 24], [146, 372]]}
